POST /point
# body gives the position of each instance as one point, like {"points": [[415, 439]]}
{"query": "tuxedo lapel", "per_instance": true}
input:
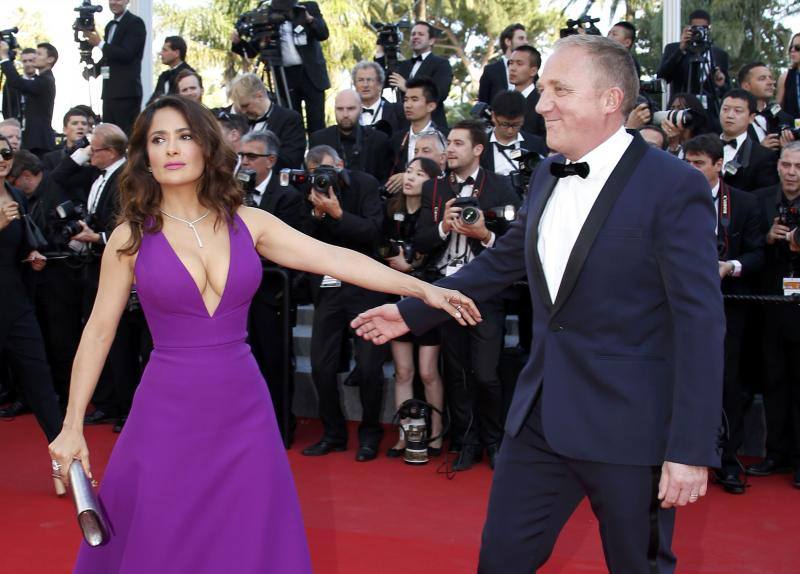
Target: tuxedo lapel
{"points": [[537, 209], [597, 216]]}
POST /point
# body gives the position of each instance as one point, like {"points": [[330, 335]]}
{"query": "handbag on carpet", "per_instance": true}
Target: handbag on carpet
{"points": [[91, 516]]}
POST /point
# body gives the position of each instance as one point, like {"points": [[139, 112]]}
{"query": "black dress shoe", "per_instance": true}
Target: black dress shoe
{"points": [[119, 424], [324, 447], [767, 467], [98, 417], [730, 481], [14, 409], [491, 454], [468, 456], [366, 452]]}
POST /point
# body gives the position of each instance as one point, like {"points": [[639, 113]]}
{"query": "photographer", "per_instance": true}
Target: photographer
{"points": [[523, 69], [348, 214], [769, 120], [14, 101], [695, 66], [250, 98], [680, 129], [494, 78], [76, 126], [302, 28], [40, 96], [376, 111], [173, 54], [740, 245], [451, 232], [781, 208], [121, 65], [362, 148]]}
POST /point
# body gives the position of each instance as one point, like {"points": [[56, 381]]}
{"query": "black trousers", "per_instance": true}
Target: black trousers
{"points": [[734, 397], [21, 339], [535, 491], [122, 112], [334, 308], [302, 90], [472, 384]]}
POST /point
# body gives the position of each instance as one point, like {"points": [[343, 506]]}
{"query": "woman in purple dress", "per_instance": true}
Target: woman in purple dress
{"points": [[199, 480]]}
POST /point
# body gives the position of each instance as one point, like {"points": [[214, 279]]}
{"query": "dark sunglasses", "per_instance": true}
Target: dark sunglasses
{"points": [[794, 48], [6, 153], [253, 156]]}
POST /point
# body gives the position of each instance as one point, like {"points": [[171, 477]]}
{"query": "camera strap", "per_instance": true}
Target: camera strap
{"points": [[725, 215]]}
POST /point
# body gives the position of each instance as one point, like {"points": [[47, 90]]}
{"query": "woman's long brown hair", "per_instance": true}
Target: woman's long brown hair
{"points": [[140, 193]]}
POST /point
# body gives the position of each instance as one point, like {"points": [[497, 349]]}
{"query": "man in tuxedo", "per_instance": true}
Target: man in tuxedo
{"points": [[747, 164], [473, 387], [75, 126], [173, 54], [624, 33], [757, 79], [362, 148], [13, 101], [250, 98], [120, 67], [700, 69], [267, 336], [376, 111], [495, 75], [424, 64], [523, 69], [190, 85], [40, 96], [620, 399], [740, 244]]}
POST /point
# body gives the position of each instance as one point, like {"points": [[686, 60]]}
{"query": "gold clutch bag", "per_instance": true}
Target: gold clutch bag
{"points": [[91, 516]]}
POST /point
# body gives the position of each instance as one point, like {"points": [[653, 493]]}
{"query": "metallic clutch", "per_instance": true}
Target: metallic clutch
{"points": [[91, 516]]}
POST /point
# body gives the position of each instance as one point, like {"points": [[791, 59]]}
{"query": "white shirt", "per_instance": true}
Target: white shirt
{"points": [[416, 66], [289, 53], [737, 265], [728, 152], [527, 91], [760, 126], [261, 188], [99, 185], [412, 140], [503, 165], [375, 116], [569, 206], [113, 30]]}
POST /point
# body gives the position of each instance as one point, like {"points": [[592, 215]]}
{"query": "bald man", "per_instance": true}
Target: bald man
{"points": [[361, 147]]}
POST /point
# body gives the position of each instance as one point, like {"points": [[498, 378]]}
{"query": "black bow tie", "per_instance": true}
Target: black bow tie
{"points": [[733, 143], [502, 147], [103, 173], [259, 120], [416, 59], [465, 183], [367, 111], [565, 169]]}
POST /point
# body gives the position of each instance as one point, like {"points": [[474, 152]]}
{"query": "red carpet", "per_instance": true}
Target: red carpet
{"points": [[385, 517]]}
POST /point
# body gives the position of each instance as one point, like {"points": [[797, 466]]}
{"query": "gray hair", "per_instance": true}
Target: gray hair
{"points": [[11, 122], [436, 135], [791, 146], [246, 86], [612, 65], [267, 138], [366, 64], [317, 153]]}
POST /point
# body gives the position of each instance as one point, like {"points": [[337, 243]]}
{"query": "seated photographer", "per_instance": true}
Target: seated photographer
{"points": [[654, 136], [769, 121], [190, 85], [682, 127], [39, 93], [11, 129], [740, 244], [453, 228], [494, 78], [348, 214], [696, 66], [250, 98], [302, 28], [399, 228], [789, 82], [748, 165], [76, 126], [376, 111], [361, 147], [234, 127], [780, 206], [173, 54], [523, 69]]}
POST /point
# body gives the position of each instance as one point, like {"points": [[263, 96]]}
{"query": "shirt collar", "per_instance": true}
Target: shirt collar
{"points": [[493, 139], [424, 55], [375, 105], [739, 139], [527, 91], [715, 191], [473, 175], [261, 188], [604, 157], [425, 129], [114, 167], [121, 16]]}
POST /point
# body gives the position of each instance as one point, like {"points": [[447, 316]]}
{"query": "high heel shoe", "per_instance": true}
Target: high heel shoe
{"points": [[61, 490]]}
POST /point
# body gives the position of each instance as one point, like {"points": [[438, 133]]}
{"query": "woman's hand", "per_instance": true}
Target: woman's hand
{"points": [[37, 260], [458, 306], [69, 445], [8, 213], [399, 263]]}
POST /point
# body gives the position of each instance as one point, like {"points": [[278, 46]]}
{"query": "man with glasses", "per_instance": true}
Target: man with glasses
{"points": [[376, 111], [508, 117]]}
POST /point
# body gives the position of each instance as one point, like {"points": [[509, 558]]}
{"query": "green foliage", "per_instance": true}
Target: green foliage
{"points": [[32, 30]]}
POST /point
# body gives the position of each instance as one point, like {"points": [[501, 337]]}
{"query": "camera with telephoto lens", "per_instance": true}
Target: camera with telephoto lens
{"points": [[84, 23], [68, 216], [246, 178], [389, 38], [794, 131], [528, 162], [393, 247], [789, 216], [700, 39], [319, 179], [681, 118], [8, 36]]}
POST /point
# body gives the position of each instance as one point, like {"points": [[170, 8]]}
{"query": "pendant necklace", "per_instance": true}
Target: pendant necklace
{"points": [[190, 224]]}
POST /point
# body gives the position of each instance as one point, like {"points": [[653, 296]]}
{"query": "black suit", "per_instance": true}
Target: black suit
{"points": [[534, 123], [756, 166], [167, 81], [288, 126], [676, 69], [40, 96], [122, 91], [530, 142], [392, 119], [437, 69], [493, 81], [13, 103], [364, 149]]}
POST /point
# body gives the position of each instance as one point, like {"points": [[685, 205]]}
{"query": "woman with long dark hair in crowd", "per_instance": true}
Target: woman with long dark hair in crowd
{"points": [[20, 336], [788, 95], [199, 480], [677, 133], [402, 213]]}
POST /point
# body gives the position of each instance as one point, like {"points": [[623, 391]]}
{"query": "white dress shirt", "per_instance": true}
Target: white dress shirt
{"points": [[261, 188], [760, 127], [527, 91], [412, 140], [289, 54], [729, 152], [569, 206], [415, 67], [99, 185], [113, 30], [375, 116], [502, 164]]}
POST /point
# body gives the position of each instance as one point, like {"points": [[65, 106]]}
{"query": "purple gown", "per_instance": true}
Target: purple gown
{"points": [[198, 481]]}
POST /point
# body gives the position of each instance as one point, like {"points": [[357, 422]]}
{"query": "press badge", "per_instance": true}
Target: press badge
{"points": [[328, 282], [791, 286], [105, 72]]}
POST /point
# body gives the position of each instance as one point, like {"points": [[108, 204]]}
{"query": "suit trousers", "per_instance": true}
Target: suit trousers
{"points": [[302, 91], [334, 308], [734, 398], [472, 385], [535, 490], [122, 112]]}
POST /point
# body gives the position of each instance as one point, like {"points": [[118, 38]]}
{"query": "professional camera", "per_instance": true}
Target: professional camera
{"points": [[788, 216], [528, 162], [9, 38], [390, 37], [470, 210], [483, 112], [318, 180], [261, 27], [681, 118], [700, 40], [415, 418], [246, 178], [794, 131], [68, 216], [394, 247], [84, 23]]}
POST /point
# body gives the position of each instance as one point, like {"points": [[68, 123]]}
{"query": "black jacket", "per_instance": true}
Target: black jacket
{"points": [[12, 102], [757, 167], [123, 56], [780, 260], [40, 96], [437, 69], [369, 150], [739, 235], [393, 118], [530, 142], [676, 66], [534, 123], [493, 81], [288, 126], [167, 83]]}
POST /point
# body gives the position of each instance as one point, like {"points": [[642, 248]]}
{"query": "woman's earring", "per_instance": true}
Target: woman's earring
{"points": [[150, 169]]}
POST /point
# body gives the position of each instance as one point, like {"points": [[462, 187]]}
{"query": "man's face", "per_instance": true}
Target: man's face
{"points": [[261, 165], [415, 107], [620, 36], [703, 163], [28, 64], [734, 116], [347, 109], [102, 155], [367, 85], [653, 138], [254, 106], [429, 147], [699, 22], [421, 40], [169, 56], [507, 129], [14, 135], [117, 7], [520, 70], [75, 128], [189, 87], [760, 83], [42, 60], [789, 171], [520, 38], [460, 152]]}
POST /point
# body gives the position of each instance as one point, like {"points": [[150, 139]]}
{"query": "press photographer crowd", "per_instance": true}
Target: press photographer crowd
{"points": [[393, 180]]}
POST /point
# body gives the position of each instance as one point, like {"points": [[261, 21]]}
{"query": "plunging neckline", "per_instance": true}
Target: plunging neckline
{"points": [[196, 289]]}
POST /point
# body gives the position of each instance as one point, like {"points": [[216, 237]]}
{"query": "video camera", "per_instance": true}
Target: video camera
{"points": [[583, 22], [85, 23], [318, 180], [9, 38], [390, 37], [261, 27]]}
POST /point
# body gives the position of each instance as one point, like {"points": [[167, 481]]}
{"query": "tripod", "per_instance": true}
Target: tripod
{"points": [[269, 69]]}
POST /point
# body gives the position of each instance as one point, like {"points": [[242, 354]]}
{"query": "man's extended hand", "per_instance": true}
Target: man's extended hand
{"points": [[681, 484]]}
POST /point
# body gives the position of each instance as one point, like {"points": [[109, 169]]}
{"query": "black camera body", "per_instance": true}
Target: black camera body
{"points": [[528, 162], [788, 216], [246, 178], [483, 112], [318, 180], [584, 21], [261, 28], [84, 23], [67, 221], [394, 247], [700, 40], [470, 209], [389, 38], [8, 36], [794, 131]]}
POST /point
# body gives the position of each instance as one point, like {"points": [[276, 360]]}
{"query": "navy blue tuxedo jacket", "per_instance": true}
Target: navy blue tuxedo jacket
{"points": [[628, 358]]}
